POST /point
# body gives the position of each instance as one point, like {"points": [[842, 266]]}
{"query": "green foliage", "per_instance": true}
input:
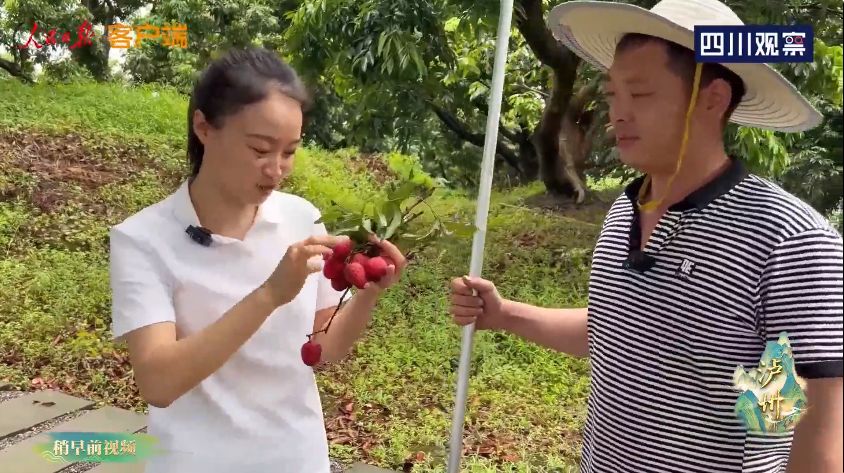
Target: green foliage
{"points": [[55, 298], [391, 219]]}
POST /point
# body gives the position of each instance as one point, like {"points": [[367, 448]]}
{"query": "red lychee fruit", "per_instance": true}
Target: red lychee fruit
{"points": [[333, 269], [355, 274], [339, 283], [311, 352], [360, 258], [376, 268], [342, 249]]}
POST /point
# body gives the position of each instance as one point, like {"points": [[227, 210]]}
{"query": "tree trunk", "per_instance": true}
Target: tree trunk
{"points": [[560, 136]]}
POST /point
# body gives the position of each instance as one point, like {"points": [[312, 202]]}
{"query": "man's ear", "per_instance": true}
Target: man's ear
{"points": [[715, 98]]}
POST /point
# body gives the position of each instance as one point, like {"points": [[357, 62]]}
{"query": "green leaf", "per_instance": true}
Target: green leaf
{"points": [[400, 194], [380, 213], [366, 223], [396, 219]]}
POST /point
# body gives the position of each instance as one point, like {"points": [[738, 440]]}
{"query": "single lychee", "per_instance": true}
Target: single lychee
{"points": [[360, 258], [333, 269], [339, 283], [355, 274], [376, 268], [343, 249], [311, 352]]}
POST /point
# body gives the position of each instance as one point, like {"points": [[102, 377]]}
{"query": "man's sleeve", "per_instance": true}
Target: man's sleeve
{"points": [[140, 294], [802, 294], [326, 295]]}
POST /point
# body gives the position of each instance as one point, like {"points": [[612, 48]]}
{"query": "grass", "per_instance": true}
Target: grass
{"points": [[78, 159]]}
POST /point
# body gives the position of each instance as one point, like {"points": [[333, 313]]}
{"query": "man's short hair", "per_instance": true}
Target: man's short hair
{"points": [[681, 60]]}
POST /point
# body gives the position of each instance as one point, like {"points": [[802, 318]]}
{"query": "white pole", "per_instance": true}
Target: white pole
{"points": [[495, 92]]}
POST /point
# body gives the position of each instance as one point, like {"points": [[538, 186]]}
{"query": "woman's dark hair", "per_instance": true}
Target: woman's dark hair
{"points": [[239, 78]]}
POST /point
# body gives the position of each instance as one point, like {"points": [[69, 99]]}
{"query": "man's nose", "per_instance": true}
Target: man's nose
{"points": [[620, 109]]}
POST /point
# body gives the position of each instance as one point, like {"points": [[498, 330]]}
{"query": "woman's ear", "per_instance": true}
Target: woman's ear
{"points": [[201, 126]]}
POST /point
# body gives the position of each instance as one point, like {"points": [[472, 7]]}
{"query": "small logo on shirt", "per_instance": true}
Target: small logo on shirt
{"points": [[684, 271]]}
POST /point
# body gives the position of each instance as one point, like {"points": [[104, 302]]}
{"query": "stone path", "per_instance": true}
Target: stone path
{"points": [[38, 413]]}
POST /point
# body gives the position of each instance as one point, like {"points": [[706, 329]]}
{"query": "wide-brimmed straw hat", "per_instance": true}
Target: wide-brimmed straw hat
{"points": [[592, 30]]}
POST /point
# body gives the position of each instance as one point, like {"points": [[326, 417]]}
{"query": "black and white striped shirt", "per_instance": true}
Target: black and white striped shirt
{"points": [[736, 263]]}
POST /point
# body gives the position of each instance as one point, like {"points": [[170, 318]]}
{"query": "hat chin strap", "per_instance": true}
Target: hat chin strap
{"points": [[651, 206]]}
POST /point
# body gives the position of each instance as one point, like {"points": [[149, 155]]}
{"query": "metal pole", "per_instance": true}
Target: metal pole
{"points": [[495, 92]]}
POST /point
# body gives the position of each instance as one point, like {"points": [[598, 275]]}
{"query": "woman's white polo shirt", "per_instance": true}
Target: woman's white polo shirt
{"points": [[261, 411]]}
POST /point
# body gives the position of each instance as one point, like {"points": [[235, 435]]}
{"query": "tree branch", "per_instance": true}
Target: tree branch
{"points": [[477, 139], [513, 135], [13, 69], [531, 24]]}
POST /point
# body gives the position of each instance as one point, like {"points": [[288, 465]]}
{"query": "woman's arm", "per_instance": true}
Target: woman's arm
{"points": [[166, 368], [350, 322], [347, 326]]}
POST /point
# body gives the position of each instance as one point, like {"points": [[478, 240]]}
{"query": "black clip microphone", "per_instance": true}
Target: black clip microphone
{"points": [[199, 234], [639, 261]]}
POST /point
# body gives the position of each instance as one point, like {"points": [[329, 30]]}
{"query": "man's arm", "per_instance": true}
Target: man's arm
{"points": [[563, 330], [802, 296], [818, 445]]}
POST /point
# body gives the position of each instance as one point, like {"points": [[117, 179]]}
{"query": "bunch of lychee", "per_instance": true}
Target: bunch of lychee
{"points": [[346, 269]]}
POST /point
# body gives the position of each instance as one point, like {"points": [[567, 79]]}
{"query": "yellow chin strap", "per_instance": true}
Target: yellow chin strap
{"points": [[652, 205]]}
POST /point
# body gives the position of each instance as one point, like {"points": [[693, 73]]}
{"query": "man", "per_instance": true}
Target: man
{"points": [[698, 265]]}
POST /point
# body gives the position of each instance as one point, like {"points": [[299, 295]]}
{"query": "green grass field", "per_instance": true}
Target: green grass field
{"points": [[78, 159]]}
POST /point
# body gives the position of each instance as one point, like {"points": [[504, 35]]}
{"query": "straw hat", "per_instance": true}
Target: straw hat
{"points": [[592, 29]]}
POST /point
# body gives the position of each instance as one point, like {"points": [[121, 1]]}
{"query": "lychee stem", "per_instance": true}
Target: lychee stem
{"points": [[339, 305]]}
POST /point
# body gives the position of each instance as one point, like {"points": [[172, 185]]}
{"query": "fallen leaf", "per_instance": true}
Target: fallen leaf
{"points": [[340, 441], [57, 340], [48, 404], [509, 457], [349, 407], [37, 381], [420, 456]]}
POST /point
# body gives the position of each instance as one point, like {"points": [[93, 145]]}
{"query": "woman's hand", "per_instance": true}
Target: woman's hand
{"points": [[394, 271], [300, 261]]}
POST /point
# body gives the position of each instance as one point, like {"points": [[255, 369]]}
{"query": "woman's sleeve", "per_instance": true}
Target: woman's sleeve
{"points": [[140, 293]]}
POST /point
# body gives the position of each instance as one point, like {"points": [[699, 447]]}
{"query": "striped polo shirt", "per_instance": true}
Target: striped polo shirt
{"points": [[726, 270]]}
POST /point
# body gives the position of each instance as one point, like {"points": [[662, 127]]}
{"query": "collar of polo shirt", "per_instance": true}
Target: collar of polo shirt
{"points": [[185, 213], [702, 197]]}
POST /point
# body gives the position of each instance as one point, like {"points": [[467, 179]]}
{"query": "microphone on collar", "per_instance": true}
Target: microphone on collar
{"points": [[200, 235], [639, 261]]}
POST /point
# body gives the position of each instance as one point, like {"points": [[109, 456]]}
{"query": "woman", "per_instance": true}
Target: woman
{"points": [[215, 320]]}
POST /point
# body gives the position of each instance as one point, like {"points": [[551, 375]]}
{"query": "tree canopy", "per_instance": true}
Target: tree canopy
{"points": [[413, 76]]}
